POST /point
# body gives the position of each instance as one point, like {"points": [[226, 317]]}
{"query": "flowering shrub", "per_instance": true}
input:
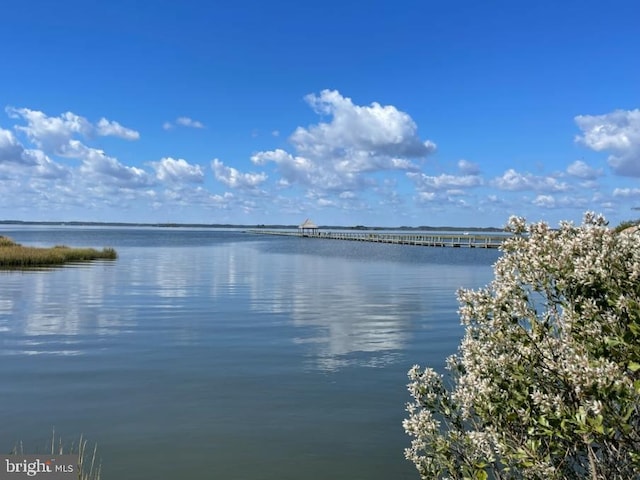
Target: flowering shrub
{"points": [[546, 382]]}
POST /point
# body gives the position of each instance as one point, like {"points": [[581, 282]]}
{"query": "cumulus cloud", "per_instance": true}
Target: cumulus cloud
{"points": [[51, 134], [99, 180], [221, 201], [179, 171], [10, 148], [444, 181], [233, 178], [57, 136], [103, 168], [546, 201], [550, 201], [54, 134], [105, 128], [580, 169], [43, 166], [446, 188], [294, 169], [301, 170], [31, 162], [183, 122], [513, 180], [358, 140], [617, 132], [371, 129]]}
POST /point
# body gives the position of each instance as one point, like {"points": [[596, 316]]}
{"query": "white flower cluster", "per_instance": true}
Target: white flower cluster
{"points": [[547, 378]]}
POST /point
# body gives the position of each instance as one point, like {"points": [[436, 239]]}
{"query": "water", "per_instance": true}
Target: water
{"points": [[220, 354]]}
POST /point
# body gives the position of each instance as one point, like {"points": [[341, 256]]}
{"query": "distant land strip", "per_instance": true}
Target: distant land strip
{"points": [[244, 226]]}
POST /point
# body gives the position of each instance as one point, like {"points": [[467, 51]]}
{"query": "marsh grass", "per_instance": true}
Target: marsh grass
{"points": [[14, 255], [89, 466], [6, 242]]}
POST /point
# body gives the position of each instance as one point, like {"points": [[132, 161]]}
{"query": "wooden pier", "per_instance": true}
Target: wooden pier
{"points": [[458, 240]]}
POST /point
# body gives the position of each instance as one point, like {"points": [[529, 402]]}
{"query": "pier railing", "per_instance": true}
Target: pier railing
{"points": [[419, 239]]}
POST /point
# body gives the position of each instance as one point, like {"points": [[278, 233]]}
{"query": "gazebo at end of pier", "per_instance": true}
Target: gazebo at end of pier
{"points": [[308, 228]]}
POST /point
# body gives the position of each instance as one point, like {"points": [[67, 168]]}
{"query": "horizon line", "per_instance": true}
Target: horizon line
{"points": [[231, 225]]}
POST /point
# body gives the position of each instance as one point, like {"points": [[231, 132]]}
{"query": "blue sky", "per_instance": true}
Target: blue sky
{"points": [[376, 113]]}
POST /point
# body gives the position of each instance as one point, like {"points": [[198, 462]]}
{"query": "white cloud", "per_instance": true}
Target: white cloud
{"points": [[44, 166], [293, 169], [354, 157], [426, 196], [53, 134], [188, 122], [56, 136], [183, 122], [347, 195], [99, 167], [402, 164], [512, 180], [468, 168], [10, 148], [444, 181], [357, 141], [445, 188], [626, 192], [383, 130], [580, 169], [172, 170], [221, 201], [323, 202], [107, 128], [617, 132], [194, 197], [550, 201], [235, 179], [546, 201], [18, 160], [100, 181]]}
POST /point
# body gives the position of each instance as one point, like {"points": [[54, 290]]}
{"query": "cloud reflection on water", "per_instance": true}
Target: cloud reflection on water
{"points": [[355, 312], [45, 312], [345, 311]]}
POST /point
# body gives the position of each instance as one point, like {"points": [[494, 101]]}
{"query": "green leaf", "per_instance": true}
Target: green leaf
{"points": [[634, 366], [481, 475]]}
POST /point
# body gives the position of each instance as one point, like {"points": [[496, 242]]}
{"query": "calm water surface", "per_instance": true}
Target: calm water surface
{"points": [[220, 354]]}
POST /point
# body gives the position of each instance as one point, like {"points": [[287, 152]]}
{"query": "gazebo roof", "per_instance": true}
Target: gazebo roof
{"points": [[308, 224]]}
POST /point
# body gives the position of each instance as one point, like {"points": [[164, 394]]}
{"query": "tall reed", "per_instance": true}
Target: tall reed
{"points": [[89, 466]]}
